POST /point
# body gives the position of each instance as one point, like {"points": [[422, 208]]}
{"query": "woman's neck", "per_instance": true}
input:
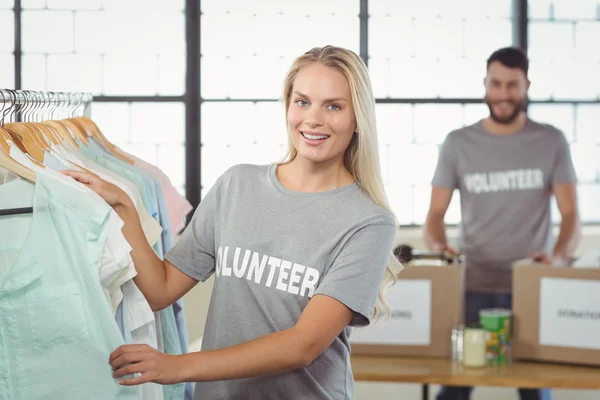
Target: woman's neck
{"points": [[301, 175]]}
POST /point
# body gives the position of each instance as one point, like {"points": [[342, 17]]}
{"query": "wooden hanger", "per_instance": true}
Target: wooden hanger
{"points": [[4, 139], [62, 132], [76, 131], [47, 133], [8, 163], [21, 134], [90, 126]]}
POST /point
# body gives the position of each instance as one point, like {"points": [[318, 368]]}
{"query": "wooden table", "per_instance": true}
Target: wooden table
{"points": [[444, 372]]}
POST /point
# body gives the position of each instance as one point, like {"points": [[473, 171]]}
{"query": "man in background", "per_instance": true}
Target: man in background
{"points": [[506, 168]]}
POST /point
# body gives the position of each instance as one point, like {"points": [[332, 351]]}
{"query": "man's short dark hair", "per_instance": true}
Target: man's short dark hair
{"points": [[511, 57]]}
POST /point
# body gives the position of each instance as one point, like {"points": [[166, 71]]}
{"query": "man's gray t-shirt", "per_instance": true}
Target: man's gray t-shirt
{"points": [[271, 249], [505, 184]]}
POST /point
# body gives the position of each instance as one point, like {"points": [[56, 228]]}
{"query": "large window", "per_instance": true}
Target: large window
{"points": [[426, 60], [565, 61], [429, 51], [246, 50], [434, 53], [119, 51], [7, 44]]}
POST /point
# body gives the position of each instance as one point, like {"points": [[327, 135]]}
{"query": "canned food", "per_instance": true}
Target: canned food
{"points": [[498, 324]]}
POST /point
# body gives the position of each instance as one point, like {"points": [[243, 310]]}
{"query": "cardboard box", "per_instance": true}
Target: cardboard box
{"points": [[556, 314], [426, 304]]}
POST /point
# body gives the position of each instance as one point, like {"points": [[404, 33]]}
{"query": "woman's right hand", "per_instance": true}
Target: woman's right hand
{"points": [[112, 194]]}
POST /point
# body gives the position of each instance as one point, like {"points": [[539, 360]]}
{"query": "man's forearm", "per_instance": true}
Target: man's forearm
{"points": [[568, 238], [435, 233]]}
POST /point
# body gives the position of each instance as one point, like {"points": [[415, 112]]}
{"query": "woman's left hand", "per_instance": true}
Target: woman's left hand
{"points": [[153, 365]]}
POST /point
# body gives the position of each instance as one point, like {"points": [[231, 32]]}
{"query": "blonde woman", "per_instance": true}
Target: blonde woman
{"points": [[299, 251]]}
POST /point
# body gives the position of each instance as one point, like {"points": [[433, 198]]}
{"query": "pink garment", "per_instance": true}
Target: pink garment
{"points": [[177, 205]]}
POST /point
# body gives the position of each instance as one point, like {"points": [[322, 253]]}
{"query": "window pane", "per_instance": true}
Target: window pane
{"points": [[259, 37], [171, 74], [269, 120], [394, 124], [558, 115], [75, 73], [7, 31], [48, 31], [588, 123], [422, 200], [34, 72], [6, 4], [483, 37], [385, 156], [227, 124], [400, 197], [585, 159], [7, 71], [453, 215], [462, 78], [434, 121], [75, 4], [540, 8], [546, 80], [589, 198], [580, 9], [551, 40], [423, 8], [391, 37], [158, 123], [413, 164], [475, 8], [136, 5], [123, 75], [405, 78], [171, 160], [257, 77], [33, 4], [147, 31], [438, 38], [312, 7], [586, 41], [114, 121]]}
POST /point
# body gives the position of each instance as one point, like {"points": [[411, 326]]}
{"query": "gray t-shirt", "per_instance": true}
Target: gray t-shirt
{"points": [[271, 250], [505, 184]]}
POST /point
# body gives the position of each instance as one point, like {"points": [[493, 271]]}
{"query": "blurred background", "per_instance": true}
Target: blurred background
{"points": [[193, 86]]}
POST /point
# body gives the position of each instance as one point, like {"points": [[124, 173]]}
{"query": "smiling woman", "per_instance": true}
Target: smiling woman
{"points": [[300, 251]]}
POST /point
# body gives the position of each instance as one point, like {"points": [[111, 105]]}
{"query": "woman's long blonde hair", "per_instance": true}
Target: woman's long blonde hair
{"points": [[362, 155]]}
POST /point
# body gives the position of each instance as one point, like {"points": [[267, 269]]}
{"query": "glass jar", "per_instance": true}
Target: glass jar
{"points": [[474, 346]]}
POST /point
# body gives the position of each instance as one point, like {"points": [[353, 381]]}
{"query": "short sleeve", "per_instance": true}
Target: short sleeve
{"points": [[445, 174], [564, 171], [356, 274], [194, 253]]}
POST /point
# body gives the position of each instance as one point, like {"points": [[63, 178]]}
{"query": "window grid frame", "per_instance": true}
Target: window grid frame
{"points": [[192, 94]]}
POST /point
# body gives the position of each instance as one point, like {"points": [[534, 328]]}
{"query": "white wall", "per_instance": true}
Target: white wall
{"points": [[196, 307]]}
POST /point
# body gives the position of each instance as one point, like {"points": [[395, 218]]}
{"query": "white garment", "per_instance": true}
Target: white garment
{"points": [[152, 229]]}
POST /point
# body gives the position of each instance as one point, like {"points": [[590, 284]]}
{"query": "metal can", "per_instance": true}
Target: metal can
{"points": [[498, 324]]}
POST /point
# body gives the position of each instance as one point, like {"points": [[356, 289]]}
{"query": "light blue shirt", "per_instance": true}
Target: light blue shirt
{"points": [[149, 192], [56, 328]]}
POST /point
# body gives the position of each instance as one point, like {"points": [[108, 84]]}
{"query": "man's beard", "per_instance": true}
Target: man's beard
{"points": [[518, 107]]}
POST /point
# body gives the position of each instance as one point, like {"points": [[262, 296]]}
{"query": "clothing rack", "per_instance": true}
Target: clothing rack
{"points": [[34, 106]]}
